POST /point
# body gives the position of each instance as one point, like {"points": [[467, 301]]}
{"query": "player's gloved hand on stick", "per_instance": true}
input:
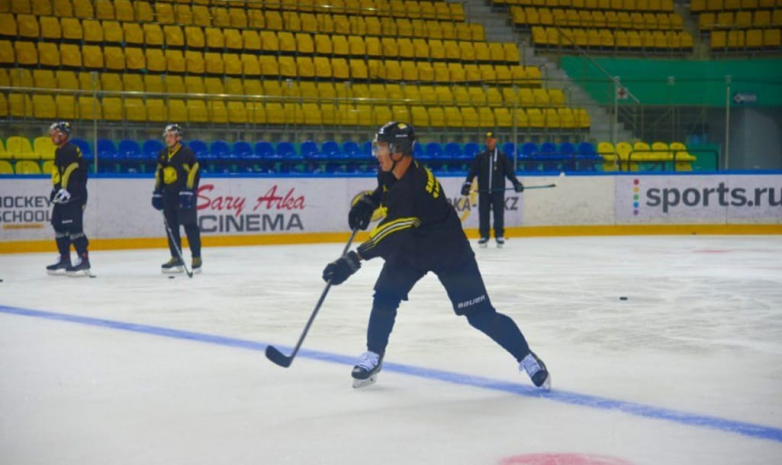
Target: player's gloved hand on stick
{"points": [[62, 196], [518, 187], [157, 199], [361, 212], [186, 199], [338, 271], [466, 188]]}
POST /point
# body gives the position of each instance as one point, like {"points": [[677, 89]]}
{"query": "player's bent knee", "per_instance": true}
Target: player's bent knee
{"points": [[385, 302]]}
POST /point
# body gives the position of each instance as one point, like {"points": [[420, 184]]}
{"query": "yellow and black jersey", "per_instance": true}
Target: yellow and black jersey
{"points": [[70, 172], [420, 227], [177, 169]]}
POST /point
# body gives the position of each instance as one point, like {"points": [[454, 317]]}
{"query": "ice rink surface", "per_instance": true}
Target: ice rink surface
{"points": [[132, 367]]}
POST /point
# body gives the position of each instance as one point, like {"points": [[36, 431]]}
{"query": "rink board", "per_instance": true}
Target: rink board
{"points": [[253, 210]]}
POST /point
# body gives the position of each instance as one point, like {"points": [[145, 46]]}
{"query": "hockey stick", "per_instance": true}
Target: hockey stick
{"points": [[547, 186], [277, 357], [176, 247]]}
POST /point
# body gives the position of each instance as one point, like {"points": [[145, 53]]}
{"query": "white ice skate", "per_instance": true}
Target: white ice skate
{"points": [[483, 242], [537, 371], [500, 242]]}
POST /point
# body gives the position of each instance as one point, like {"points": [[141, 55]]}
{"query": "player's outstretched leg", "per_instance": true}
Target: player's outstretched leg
{"points": [[365, 372], [63, 263], [173, 265], [536, 370]]}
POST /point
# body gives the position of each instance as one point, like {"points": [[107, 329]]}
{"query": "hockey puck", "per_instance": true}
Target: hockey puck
{"points": [[93, 276], [623, 298], [1, 280], [171, 277]]}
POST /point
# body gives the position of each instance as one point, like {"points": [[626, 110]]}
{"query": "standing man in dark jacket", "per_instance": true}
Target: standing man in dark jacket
{"points": [[176, 183], [492, 167], [69, 195]]}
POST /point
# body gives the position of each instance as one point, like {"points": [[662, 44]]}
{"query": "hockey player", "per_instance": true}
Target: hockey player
{"points": [[421, 233], [492, 167], [176, 183], [69, 195]]}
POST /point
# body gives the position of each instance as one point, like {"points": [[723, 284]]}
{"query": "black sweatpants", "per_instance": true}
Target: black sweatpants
{"points": [[188, 218], [496, 202], [68, 224]]}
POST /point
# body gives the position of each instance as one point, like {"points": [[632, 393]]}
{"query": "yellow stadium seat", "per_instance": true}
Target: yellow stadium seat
{"points": [[132, 83], [486, 117], [7, 54], [123, 11], [196, 111], [93, 57], [26, 53], [19, 148], [48, 55], [201, 16], [27, 167], [232, 64], [135, 109], [237, 112], [156, 61], [93, 31], [233, 39], [83, 9], [66, 106], [133, 33], [177, 111], [256, 113], [113, 109], [174, 36], [269, 65], [114, 58], [488, 74], [104, 9], [89, 108], [164, 13], [250, 65], [477, 95], [156, 111], [735, 39], [175, 61], [536, 118], [288, 67], [44, 78], [50, 28], [269, 41], [111, 82], [153, 35], [238, 18], [771, 38], [5, 167], [154, 84], [214, 38], [21, 77], [287, 41], [89, 81], [193, 84]]}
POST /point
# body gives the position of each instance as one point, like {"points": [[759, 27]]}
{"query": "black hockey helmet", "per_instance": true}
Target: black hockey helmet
{"points": [[175, 128], [399, 136], [61, 126]]}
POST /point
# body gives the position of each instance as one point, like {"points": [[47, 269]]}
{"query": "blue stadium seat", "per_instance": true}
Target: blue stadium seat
{"points": [[129, 149], [286, 150], [199, 148], [84, 146], [568, 153], [587, 157], [151, 149], [265, 150], [331, 150], [528, 151], [106, 149], [351, 149], [549, 156], [242, 149], [219, 149], [510, 149], [309, 149], [434, 150], [471, 149], [453, 151]]}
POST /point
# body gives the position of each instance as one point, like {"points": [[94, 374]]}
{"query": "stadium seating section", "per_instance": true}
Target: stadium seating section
{"points": [[740, 25], [413, 60], [19, 156]]}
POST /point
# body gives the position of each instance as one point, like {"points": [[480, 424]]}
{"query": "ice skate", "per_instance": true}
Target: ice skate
{"points": [[365, 372], [196, 265], [483, 242], [58, 269], [500, 242], [174, 265], [81, 269], [537, 371]]}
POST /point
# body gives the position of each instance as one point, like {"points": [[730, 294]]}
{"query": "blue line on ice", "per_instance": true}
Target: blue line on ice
{"points": [[646, 411]]}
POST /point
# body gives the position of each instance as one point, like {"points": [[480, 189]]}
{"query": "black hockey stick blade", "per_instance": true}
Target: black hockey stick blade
{"points": [[277, 357]]}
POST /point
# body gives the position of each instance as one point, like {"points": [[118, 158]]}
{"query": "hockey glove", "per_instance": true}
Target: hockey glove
{"points": [[518, 187], [186, 199], [62, 196], [466, 188], [338, 271], [157, 199], [361, 212]]}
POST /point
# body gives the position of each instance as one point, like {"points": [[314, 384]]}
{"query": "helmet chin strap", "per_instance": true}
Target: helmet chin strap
{"points": [[394, 162]]}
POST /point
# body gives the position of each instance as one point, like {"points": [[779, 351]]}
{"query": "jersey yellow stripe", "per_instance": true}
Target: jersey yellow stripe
{"points": [[67, 174]]}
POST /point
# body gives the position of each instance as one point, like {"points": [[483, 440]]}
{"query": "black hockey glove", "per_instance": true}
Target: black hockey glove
{"points": [[186, 199], [338, 271], [62, 196], [518, 187], [361, 212], [466, 188], [157, 199]]}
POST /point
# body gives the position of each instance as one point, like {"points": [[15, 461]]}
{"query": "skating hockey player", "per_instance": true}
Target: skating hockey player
{"points": [[69, 196], [176, 184], [492, 167], [421, 233]]}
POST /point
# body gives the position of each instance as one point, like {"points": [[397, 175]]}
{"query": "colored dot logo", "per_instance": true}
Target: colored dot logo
{"points": [[636, 189]]}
